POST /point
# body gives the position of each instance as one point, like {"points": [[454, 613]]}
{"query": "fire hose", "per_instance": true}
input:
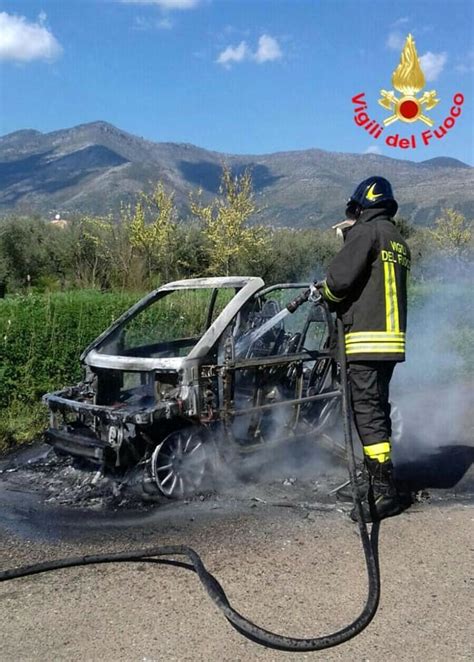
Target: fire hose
{"points": [[215, 591]]}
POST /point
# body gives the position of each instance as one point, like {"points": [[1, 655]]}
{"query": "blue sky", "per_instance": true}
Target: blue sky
{"points": [[246, 76]]}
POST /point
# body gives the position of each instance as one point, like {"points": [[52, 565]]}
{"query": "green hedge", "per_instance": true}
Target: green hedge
{"points": [[41, 338]]}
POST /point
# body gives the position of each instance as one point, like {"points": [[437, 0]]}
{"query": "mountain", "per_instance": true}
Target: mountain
{"points": [[444, 162], [94, 167]]}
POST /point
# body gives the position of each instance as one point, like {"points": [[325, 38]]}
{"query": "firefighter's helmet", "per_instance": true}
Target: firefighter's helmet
{"points": [[372, 192]]}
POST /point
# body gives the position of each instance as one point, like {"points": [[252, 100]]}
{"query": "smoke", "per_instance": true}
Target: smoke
{"points": [[434, 386], [268, 447], [433, 389], [278, 468]]}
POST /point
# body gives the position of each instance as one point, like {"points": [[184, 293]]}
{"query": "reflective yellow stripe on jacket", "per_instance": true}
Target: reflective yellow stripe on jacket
{"points": [[391, 341], [391, 298], [330, 296], [375, 342]]}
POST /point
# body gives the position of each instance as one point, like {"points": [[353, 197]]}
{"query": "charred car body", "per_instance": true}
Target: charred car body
{"points": [[199, 364]]}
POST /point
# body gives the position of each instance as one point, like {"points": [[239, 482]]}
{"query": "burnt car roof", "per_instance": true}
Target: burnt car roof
{"points": [[224, 281], [247, 286]]}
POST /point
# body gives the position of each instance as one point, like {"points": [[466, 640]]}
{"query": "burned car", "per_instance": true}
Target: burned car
{"points": [[199, 368]]}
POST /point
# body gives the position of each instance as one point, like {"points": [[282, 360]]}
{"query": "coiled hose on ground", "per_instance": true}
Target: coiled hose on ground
{"points": [[214, 589]]}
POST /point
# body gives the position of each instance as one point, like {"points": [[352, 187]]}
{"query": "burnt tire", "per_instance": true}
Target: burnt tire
{"points": [[181, 464]]}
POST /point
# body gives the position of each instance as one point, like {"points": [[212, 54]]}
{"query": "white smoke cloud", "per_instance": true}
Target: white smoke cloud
{"points": [[435, 385]]}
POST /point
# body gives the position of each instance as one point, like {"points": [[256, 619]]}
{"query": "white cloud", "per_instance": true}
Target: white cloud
{"points": [[400, 21], [467, 64], [268, 49], [164, 23], [432, 64], [231, 29], [143, 24], [373, 149], [395, 41], [22, 41], [165, 4], [234, 54]]}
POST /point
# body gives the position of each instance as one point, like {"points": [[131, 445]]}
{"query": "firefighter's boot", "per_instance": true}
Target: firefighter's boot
{"points": [[383, 499], [362, 484]]}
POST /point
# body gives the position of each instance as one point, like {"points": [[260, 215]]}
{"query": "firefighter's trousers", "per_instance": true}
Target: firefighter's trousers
{"points": [[369, 382]]}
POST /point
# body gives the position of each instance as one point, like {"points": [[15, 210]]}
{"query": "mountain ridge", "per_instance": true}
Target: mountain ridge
{"points": [[93, 167]]}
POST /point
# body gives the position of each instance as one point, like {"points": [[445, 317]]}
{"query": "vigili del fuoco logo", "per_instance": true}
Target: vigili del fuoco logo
{"points": [[408, 80]]}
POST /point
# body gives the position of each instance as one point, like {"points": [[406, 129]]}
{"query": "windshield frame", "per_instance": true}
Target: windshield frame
{"points": [[246, 286]]}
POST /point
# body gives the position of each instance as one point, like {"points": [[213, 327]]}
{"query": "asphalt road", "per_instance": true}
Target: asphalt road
{"points": [[287, 554]]}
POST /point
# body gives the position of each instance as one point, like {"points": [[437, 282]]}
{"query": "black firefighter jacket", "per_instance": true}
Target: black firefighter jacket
{"points": [[366, 284]]}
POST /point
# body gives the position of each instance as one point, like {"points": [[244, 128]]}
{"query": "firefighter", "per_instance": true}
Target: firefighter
{"points": [[366, 284]]}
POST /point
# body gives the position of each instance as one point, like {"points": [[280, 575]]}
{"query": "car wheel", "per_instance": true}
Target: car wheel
{"points": [[179, 464]]}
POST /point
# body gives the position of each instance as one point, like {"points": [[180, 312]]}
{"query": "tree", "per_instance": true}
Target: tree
{"points": [[129, 266], [224, 222], [297, 255], [153, 230], [24, 249], [405, 228], [453, 235], [93, 251], [191, 255]]}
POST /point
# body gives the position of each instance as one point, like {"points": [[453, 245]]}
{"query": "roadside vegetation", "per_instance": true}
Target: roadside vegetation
{"points": [[66, 282]]}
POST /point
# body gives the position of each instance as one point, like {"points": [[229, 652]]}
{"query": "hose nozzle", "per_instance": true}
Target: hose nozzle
{"points": [[312, 294], [298, 301]]}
